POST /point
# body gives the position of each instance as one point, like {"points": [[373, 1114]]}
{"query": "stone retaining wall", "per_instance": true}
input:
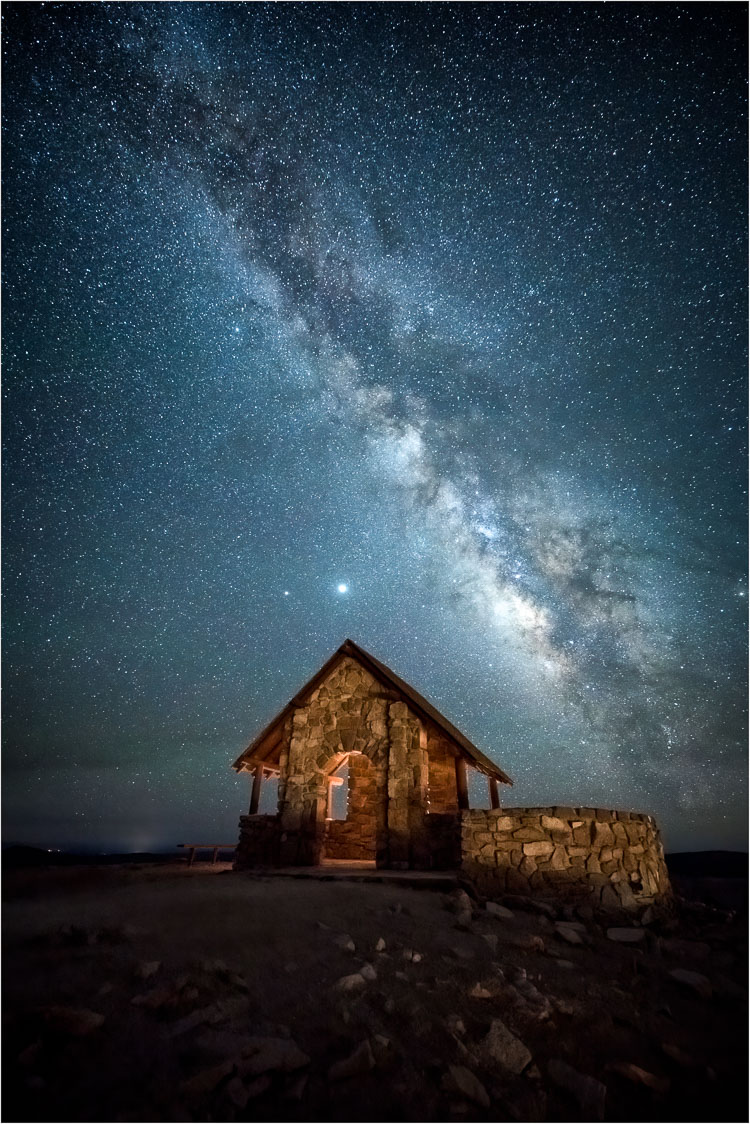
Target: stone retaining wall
{"points": [[614, 859]]}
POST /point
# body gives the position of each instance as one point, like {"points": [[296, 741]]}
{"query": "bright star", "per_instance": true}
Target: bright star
{"points": [[342, 588]]}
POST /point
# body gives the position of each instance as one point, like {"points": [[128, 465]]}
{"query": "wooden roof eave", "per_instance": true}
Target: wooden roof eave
{"points": [[298, 700], [383, 674]]}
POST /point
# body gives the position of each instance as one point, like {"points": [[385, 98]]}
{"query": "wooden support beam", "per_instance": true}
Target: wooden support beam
{"points": [[462, 784], [494, 793], [333, 782], [255, 796]]}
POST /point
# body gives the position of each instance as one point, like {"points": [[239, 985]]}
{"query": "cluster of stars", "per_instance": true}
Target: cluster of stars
{"points": [[422, 328]]}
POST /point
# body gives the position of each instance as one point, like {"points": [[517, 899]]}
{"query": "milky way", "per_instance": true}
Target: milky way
{"points": [[419, 324]]}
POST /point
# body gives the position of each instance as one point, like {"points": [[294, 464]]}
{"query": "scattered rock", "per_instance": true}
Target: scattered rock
{"points": [[686, 950], [258, 1087], [455, 1024], [640, 1076], [296, 1088], [380, 946], [260, 1055], [345, 942], [527, 1104], [208, 1079], [353, 982], [529, 942], [461, 1080], [566, 1007], [124, 933], [458, 901], [203, 1015], [499, 911], [237, 1093], [147, 968], [564, 963], [412, 955], [30, 1055], [491, 940], [367, 972], [530, 905], [155, 999], [479, 992], [72, 935], [504, 1049], [527, 997], [677, 1055], [569, 932], [214, 967], [587, 1091], [729, 989], [694, 981], [74, 1021], [361, 1061], [460, 951], [626, 936]]}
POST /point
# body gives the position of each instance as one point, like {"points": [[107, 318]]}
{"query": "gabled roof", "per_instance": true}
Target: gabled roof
{"points": [[389, 679]]}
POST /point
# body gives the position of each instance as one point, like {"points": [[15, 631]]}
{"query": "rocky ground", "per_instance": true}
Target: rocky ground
{"points": [[164, 993]]}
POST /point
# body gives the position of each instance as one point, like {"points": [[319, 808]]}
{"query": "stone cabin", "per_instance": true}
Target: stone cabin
{"points": [[408, 798]]}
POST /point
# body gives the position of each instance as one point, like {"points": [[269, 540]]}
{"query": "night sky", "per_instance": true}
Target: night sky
{"points": [[418, 324]]}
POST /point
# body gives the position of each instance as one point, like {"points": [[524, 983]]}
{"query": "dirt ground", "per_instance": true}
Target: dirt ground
{"points": [[163, 993]]}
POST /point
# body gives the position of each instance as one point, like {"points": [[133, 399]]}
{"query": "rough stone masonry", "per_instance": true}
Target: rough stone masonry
{"points": [[408, 799]]}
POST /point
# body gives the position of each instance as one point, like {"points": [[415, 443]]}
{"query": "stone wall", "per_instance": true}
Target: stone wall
{"points": [[355, 837], [614, 859], [347, 713], [408, 780], [443, 793], [259, 841]]}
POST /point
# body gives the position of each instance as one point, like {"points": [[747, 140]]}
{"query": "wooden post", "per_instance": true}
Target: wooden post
{"points": [[255, 796], [494, 793], [462, 787], [329, 800]]}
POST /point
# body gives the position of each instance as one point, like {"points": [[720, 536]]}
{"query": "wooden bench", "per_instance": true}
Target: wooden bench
{"points": [[215, 847]]}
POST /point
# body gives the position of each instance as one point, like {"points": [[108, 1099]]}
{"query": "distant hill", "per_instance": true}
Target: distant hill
{"points": [[18, 855], [708, 864]]}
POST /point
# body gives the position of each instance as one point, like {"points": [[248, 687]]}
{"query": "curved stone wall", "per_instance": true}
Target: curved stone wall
{"points": [[613, 859]]}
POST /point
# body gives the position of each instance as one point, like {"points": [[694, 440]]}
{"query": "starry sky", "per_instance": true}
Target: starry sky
{"points": [[421, 324]]}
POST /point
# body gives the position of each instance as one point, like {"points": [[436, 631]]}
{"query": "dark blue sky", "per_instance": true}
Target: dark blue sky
{"points": [[444, 304]]}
